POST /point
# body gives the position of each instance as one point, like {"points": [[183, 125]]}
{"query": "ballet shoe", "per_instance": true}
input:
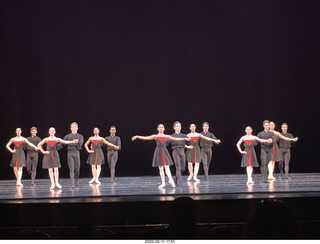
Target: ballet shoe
{"points": [[190, 177], [172, 183], [271, 178], [19, 184], [52, 187], [58, 185], [162, 185], [196, 179], [91, 181], [98, 182]]}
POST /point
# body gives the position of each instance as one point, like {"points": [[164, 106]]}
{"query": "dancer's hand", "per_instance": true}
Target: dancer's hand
{"points": [[218, 141], [134, 138], [116, 147], [46, 152], [90, 151], [13, 151], [295, 139], [243, 152], [269, 140]]}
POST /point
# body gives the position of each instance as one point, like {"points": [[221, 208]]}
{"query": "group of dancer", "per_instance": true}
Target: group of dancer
{"points": [[270, 151], [198, 145], [51, 160]]}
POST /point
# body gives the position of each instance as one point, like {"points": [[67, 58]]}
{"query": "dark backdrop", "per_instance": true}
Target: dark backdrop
{"points": [[135, 64]]}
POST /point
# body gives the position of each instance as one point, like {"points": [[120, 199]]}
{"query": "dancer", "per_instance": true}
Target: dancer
{"points": [[193, 155], [32, 154], [206, 149], [178, 153], [277, 156], [18, 160], [285, 151], [96, 157], [249, 158], [74, 153], [112, 153], [51, 159], [161, 156], [266, 149]]}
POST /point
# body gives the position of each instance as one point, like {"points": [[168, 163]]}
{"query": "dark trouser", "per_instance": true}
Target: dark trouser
{"points": [[206, 156], [265, 156], [286, 155], [179, 159], [32, 163], [74, 165], [112, 157]]}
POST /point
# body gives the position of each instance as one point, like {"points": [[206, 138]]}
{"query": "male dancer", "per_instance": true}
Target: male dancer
{"points": [[74, 153], [32, 154], [178, 153], [206, 149], [266, 149], [112, 153], [285, 151]]}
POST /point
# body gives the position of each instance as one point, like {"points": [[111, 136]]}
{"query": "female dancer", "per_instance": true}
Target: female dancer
{"points": [[18, 157], [276, 154], [193, 155], [51, 159], [96, 157], [161, 156], [249, 158]]}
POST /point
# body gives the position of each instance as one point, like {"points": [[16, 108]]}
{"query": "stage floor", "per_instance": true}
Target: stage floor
{"points": [[145, 188]]}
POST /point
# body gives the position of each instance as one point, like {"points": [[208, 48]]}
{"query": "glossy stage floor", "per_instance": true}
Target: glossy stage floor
{"points": [[117, 209]]}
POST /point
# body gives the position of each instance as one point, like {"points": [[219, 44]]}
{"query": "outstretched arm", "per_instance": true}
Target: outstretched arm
{"points": [[30, 144], [287, 138], [67, 142], [262, 140], [210, 139], [108, 143], [146, 138], [238, 146], [177, 139]]}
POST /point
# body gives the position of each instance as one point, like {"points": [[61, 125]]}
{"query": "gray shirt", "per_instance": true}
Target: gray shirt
{"points": [[284, 143], [34, 140], [115, 140], [267, 135], [71, 137], [178, 144], [205, 143]]}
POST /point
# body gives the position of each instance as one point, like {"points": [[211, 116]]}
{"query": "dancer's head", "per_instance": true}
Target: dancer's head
{"points": [[52, 131], [266, 125], [248, 130], [284, 127], [160, 128], [96, 131], [193, 127], [33, 131], [205, 126], [113, 130], [272, 125], [18, 131], [74, 127], [177, 126]]}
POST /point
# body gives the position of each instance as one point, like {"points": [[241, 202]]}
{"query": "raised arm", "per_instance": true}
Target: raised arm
{"points": [[145, 138], [40, 146], [209, 139], [108, 143]]}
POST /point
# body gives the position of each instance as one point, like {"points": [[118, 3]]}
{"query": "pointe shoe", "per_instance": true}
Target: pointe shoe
{"points": [[172, 183], [91, 181], [271, 178], [196, 179], [190, 177], [19, 184], [52, 187], [98, 182], [162, 185], [58, 185]]}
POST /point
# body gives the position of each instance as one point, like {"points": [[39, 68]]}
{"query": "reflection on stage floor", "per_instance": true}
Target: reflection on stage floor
{"points": [[145, 188]]}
